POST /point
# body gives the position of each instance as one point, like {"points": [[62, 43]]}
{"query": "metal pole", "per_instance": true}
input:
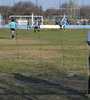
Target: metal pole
{"points": [[79, 13], [36, 2], [32, 19], [13, 3], [0, 19], [59, 4], [37, 6]]}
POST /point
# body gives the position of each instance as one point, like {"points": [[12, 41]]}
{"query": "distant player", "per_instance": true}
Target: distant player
{"points": [[9, 20], [39, 23], [65, 22], [36, 27], [28, 23], [60, 24], [56, 21], [13, 26], [45, 22]]}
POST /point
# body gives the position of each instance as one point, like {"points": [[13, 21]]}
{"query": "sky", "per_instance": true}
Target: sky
{"points": [[46, 3]]}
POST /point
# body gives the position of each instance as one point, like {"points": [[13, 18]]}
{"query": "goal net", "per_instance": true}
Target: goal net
{"points": [[22, 19]]}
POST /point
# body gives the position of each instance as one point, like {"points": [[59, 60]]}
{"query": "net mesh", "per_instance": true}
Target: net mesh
{"points": [[48, 65]]}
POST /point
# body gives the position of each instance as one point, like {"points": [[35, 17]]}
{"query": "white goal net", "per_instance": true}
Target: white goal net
{"points": [[22, 19]]}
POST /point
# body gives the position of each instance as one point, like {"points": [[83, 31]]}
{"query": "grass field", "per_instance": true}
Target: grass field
{"points": [[49, 65]]}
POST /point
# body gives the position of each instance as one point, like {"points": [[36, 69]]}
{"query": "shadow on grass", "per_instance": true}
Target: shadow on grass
{"points": [[4, 37], [38, 87], [45, 83], [37, 81]]}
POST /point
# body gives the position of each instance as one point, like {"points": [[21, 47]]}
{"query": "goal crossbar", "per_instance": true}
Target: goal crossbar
{"points": [[27, 16]]}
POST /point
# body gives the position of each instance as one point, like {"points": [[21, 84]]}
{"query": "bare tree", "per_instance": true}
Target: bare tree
{"points": [[85, 11], [21, 8]]}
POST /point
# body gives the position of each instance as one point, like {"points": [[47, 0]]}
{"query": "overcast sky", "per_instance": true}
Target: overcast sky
{"points": [[46, 3]]}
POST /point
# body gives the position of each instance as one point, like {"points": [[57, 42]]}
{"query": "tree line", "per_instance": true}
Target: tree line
{"points": [[27, 8]]}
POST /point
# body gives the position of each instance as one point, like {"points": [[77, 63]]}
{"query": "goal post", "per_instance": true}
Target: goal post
{"points": [[61, 16], [71, 13], [22, 19]]}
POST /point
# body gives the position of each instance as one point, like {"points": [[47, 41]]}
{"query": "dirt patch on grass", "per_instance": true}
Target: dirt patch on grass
{"points": [[31, 41], [46, 52], [7, 41], [65, 47], [31, 51], [10, 41], [36, 52]]}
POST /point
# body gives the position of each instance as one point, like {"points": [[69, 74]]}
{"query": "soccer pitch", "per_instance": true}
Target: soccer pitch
{"points": [[46, 65]]}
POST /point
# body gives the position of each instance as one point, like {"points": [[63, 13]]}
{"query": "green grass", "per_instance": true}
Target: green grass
{"points": [[46, 60]]}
